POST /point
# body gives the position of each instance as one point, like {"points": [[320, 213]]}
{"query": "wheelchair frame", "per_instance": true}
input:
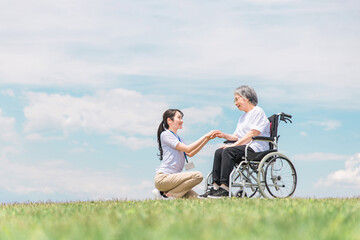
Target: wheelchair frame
{"points": [[263, 172]]}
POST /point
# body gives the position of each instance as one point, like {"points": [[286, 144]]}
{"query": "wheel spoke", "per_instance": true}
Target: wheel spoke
{"points": [[280, 177]]}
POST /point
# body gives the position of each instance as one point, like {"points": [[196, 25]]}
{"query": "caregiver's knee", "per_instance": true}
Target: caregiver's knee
{"points": [[198, 177]]}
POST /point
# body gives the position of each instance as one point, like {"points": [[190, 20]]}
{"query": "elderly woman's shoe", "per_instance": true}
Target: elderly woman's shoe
{"points": [[220, 193], [207, 193]]}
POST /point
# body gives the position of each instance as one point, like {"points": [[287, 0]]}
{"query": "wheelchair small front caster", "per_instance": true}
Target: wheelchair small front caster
{"points": [[240, 193]]}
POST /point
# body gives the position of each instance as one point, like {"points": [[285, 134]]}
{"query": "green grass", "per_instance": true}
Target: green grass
{"points": [[184, 219]]}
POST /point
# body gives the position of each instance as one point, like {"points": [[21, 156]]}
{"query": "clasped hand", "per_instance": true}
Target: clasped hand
{"points": [[217, 133], [214, 134]]}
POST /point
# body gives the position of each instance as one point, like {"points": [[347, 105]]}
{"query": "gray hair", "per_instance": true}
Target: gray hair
{"points": [[248, 93]]}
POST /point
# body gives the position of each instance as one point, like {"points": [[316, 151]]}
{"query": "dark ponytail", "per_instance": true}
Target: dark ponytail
{"points": [[170, 113]]}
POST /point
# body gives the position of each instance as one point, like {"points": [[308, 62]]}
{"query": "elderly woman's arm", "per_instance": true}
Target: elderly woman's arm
{"points": [[230, 137], [244, 140]]}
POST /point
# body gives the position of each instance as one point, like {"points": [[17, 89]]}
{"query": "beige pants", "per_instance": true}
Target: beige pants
{"points": [[178, 184]]}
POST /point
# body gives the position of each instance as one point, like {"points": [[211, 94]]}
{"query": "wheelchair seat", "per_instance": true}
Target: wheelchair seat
{"points": [[258, 156]]}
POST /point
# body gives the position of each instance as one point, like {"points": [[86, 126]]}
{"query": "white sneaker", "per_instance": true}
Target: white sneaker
{"points": [[167, 198], [156, 194]]}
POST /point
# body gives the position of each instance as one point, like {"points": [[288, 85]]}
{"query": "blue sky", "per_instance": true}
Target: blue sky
{"points": [[83, 85]]}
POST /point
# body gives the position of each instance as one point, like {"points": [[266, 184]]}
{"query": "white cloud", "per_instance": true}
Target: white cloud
{"points": [[81, 148], [303, 133], [344, 178], [133, 143], [121, 113], [318, 156], [7, 150], [327, 124], [270, 2], [91, 44], [331, 125], [36, 66], [7, 128], [107, 112], [39, 137], [8, 92], [208, 115], [77, 150]]}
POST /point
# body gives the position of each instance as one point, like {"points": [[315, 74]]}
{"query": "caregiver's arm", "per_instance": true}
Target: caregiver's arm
{"points": [[195, 147]]}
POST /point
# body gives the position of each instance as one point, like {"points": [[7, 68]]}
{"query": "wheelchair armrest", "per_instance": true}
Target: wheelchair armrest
{"points": [[261, 138], [228, 141]]}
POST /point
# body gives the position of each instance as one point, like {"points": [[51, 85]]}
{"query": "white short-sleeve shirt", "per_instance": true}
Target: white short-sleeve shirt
{"points": [[173, 160], [255, 119]]}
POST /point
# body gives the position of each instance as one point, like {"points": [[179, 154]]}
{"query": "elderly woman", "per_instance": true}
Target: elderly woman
{"points": [[253, 122]]}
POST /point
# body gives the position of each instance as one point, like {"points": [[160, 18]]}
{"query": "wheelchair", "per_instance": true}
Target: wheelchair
{"points": [[269, 174]]}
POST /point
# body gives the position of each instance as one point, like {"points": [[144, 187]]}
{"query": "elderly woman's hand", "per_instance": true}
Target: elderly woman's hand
{"points": [[220, 134], [212, 134]]}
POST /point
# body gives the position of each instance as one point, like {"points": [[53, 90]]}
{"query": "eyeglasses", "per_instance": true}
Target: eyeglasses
{"points": [[237, 98]]}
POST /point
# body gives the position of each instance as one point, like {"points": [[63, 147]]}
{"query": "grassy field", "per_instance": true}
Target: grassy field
{"points": [[184, 219]]}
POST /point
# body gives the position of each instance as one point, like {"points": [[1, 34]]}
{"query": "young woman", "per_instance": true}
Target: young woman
{"points": [[170, 181]]}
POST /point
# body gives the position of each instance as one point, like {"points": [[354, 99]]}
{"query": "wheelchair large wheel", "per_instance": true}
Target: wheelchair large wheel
{"points": [[278, 178]]}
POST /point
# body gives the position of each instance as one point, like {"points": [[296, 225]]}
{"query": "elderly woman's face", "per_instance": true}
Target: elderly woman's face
{"points": [[240, 102]]}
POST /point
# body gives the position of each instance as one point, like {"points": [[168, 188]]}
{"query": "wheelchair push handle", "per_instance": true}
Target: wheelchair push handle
{"points": [[285, 117]]}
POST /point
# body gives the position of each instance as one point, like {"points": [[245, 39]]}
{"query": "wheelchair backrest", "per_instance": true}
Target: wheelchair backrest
{"points": [[274, 123]]}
